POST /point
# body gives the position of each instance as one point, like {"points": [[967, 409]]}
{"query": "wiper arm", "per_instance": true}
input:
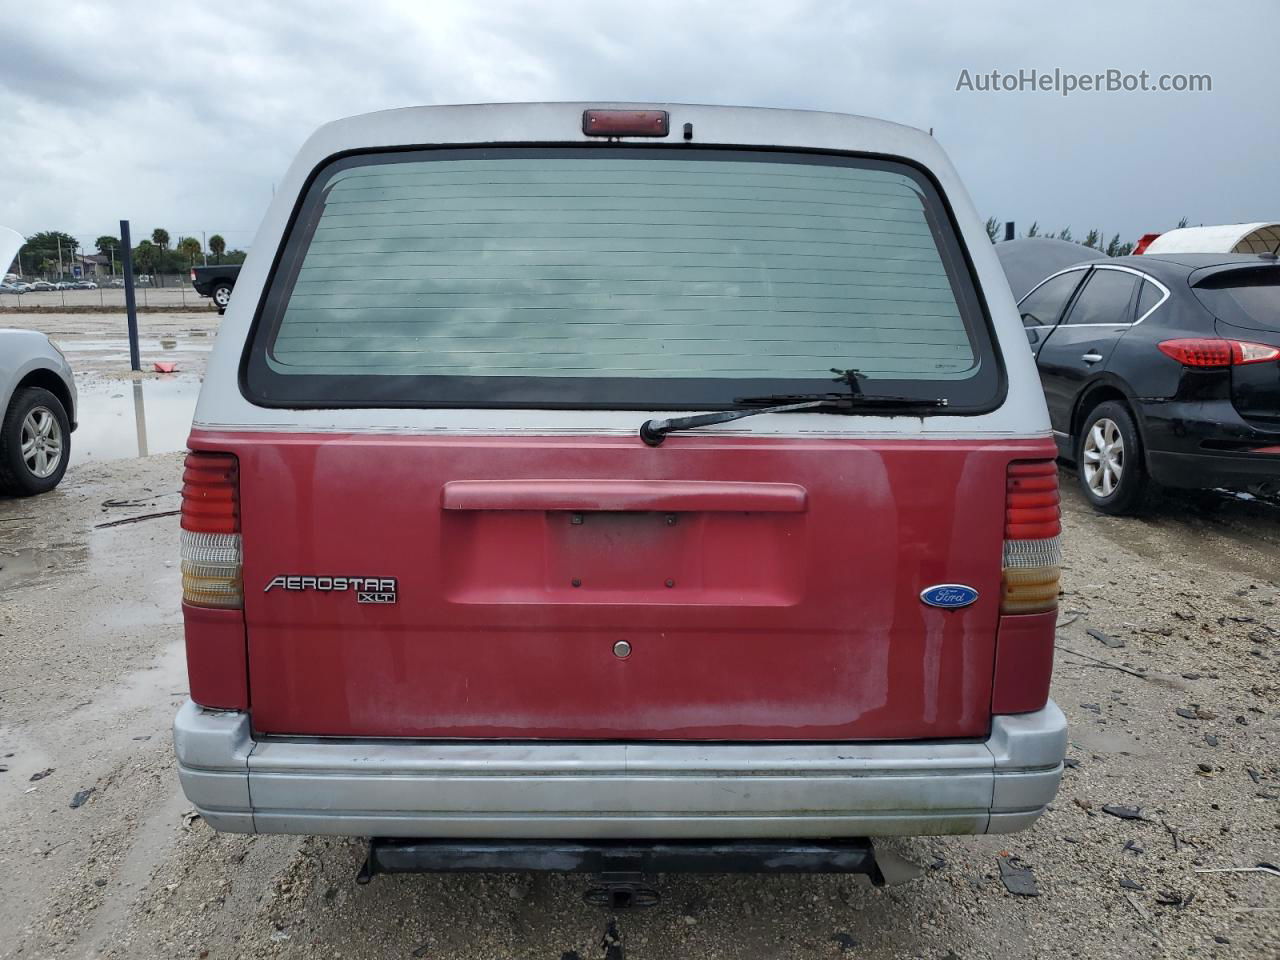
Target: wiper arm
{"points": [[653, 432]]}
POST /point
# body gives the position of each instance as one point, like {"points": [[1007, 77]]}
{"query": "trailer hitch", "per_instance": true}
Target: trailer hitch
{"points": [[622, 891], [621, 865]]}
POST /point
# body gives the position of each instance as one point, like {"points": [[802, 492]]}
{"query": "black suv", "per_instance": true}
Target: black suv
{"points": [[1162, 367]]}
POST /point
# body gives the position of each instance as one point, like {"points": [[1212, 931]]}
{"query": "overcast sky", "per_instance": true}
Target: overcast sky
{"points": [[183, 117]]}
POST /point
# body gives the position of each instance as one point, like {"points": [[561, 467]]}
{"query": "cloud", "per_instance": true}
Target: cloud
{"points": [[184, 117]]}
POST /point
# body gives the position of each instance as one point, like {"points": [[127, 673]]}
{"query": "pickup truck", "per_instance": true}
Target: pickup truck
{"points": [[216, 282]]}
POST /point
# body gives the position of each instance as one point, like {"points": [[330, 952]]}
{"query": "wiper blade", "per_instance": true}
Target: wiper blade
{"points": [[860, 401], [653, 432]]}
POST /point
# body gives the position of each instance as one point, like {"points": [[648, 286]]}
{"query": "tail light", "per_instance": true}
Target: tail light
{"points": [[210, 544], [193, 274], [1208, 352], [1029, 602], [1032, 538]]}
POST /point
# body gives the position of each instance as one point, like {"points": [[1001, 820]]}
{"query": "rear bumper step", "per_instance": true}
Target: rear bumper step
{"points": [[538, 790], [616, 858]]}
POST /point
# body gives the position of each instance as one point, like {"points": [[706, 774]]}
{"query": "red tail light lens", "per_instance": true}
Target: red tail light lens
{"points": [[1208, 352], [1032, 501], [625, 123], [1032, 538], [211, 493], [193, 274]]}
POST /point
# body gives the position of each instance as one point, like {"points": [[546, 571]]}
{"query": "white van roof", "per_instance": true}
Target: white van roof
{"points": [[1262, 237]]}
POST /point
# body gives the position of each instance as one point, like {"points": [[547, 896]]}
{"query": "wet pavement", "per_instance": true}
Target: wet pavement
{"points": [[124, 414], [122, 419]]}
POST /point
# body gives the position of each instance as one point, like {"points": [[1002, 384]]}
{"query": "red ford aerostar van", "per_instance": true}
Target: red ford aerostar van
{"points": [[585, 478]]}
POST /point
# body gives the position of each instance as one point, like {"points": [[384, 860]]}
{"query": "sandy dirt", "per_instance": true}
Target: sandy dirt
{"points": [[91, 672]]}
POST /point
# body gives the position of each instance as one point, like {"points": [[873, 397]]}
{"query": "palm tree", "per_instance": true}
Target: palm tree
{"points": [[147, 256], [160, 237], [189, 247], [217, 246]]}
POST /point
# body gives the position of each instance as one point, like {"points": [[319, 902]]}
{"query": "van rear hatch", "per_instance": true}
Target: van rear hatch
{"points": [[510, 571]]}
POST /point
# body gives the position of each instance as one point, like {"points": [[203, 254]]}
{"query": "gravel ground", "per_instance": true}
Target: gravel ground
{"points": [[1174, 703]]}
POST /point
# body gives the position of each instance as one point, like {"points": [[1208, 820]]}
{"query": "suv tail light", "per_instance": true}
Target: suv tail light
{"points": [[1032, 538], [210, 544], [1207, 352], [193, 274]]}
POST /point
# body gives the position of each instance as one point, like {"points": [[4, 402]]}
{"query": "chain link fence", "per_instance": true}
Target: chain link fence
{"points": [[171, 291]]}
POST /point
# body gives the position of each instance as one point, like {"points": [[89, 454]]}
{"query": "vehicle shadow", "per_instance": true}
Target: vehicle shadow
{"points": [[545, 915], [1240, 516]]}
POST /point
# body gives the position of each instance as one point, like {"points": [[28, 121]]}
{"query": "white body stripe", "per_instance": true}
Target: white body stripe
{"points": [[221, 405]]}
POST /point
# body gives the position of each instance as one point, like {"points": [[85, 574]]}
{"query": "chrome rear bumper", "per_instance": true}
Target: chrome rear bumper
{"points": [[536, 790]]}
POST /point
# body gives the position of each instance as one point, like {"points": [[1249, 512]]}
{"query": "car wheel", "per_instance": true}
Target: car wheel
{"points": [[1110, 461], [35, 443], [222, 296]]}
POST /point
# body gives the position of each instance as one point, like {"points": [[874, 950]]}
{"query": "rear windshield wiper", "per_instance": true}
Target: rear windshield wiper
{"points": [[653, 432]]}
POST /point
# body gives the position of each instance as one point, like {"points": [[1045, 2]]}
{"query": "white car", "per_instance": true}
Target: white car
{"points": [[38, 400]]}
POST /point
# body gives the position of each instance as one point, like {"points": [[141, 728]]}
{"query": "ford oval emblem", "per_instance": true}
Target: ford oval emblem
{"points": [[949, 596]]}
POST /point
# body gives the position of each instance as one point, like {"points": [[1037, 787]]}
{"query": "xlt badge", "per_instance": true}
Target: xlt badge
{"points": [[366, 589]]}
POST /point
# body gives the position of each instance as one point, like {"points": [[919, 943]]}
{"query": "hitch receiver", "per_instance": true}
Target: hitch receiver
{"points": [[620, 864]]}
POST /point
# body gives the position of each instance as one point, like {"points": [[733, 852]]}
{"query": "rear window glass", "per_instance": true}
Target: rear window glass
{"points": [[615, 277], [1247, 299]]}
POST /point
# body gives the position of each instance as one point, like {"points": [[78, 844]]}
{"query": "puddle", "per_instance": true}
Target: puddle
{"points": [[122, 419], [31, 565]]}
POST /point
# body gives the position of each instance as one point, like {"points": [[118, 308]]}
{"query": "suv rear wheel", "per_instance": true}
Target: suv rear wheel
{"points": [[1110, 461], [35, 443]]}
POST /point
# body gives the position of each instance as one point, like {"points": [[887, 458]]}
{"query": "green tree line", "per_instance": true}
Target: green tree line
{"points": [[1096, 238], [48, 250]]}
